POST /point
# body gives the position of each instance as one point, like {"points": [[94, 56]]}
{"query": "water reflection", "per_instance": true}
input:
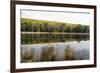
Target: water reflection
{"points": [[51, 38]]}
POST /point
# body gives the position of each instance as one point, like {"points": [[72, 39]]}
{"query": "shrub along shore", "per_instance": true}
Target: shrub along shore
{"points": [[32, 25]]}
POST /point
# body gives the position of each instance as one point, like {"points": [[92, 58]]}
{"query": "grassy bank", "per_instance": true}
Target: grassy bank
{"points": [[54, 33]]}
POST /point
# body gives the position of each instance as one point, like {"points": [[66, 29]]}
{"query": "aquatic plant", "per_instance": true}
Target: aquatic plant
{"points": [[27, 55], [48, 54], [69, 53]]}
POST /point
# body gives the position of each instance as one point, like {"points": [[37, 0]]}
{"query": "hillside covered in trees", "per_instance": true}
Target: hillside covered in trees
{"points": [[32, 25]]}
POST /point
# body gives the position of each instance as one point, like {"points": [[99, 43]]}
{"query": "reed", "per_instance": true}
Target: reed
{"points": [[48, 54], [27, 55], [69, 53]]}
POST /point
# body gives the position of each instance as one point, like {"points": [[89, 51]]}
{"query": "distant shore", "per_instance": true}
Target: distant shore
{"points": [[54, 33]]}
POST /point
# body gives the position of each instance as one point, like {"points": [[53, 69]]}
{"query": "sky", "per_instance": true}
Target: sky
{"points": [[60, 16]]}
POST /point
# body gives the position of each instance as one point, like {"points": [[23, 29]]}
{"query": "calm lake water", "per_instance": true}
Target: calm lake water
{"points": [[54, 47], [51, 38]]}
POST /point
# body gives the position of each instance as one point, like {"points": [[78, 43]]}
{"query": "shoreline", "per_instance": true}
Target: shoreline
{"points": [[54, 33]]}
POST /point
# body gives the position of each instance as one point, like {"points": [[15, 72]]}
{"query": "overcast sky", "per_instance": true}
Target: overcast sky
{"points": [[60, 16]]}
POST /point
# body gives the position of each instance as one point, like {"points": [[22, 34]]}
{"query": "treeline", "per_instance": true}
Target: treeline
{"points": [[30, 25]]}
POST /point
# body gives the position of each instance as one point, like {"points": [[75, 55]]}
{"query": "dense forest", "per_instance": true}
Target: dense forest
{"points": [[32, 25]]}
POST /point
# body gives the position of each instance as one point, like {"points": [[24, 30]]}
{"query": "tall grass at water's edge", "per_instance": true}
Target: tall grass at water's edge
{"points": [[69, 53], [27, 55], [49, 53], [46, 54]]}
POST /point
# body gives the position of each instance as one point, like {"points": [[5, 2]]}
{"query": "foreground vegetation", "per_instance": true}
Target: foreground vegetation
{"points": [[69, 53], [32, 25], [27, 55], [47, 54]]}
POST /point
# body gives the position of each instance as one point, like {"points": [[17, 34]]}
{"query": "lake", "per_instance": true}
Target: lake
{"points": [[54, 47]]}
